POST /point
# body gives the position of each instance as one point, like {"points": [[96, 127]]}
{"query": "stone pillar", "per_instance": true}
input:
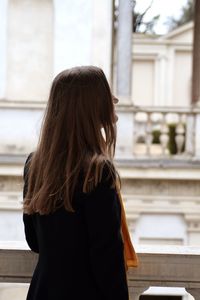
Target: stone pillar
{"points": [[196, 57], [193, 229], [72, 33], [125, 126], [190, 135], [125, 134], [136, 292], [197, 135], [161, 88], [194, 292], [83, 34], [29, 50], [195, 100], [102, 40], [7, 290], [3, 32], [124, 51]]}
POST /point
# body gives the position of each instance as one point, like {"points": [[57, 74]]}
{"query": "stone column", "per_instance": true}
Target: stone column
{"points": [[196, 56], [195, 100], [194, 292], [160, 96], [193, 229], [125, 133], [102, 31], [190, 135], [124, 51], [125, 126], [29, 50], [83, 34], [197, 135], [136, 292], [3, 34], [72, 33]]}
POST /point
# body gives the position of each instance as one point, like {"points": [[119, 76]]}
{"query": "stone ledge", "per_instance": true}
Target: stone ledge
{"points": [[19, 104], [164, 163], [159, 266]]}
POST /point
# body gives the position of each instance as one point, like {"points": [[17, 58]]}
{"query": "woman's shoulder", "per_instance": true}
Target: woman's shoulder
{"points": [[108, 171], [108, 176], [105, 192]]}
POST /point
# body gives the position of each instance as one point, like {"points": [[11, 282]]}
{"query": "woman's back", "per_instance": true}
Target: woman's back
{"points": [[80, 253]]}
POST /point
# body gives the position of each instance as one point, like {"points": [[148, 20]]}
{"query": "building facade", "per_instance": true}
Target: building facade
{"points": [[38, 39]]}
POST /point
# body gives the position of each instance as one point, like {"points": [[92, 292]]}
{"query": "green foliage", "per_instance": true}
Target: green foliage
{"points": [[156, 136], [187, 15], [139, 25], [172, 143]]}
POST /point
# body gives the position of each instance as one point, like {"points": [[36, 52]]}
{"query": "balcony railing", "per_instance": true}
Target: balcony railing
{"points": [[164, 131], [166, 266]]}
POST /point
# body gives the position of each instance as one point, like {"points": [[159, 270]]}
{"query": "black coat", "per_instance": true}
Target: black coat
{"points": [[80, 254]]}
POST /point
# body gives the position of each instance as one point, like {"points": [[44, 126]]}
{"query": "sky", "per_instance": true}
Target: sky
{"points": [[163, 7]]}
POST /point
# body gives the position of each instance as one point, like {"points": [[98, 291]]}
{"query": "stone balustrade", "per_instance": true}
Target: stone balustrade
{"points": [[166, 266], [155, 128]]}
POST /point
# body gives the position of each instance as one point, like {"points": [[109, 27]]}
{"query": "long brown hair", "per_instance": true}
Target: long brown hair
{"points": [[79, 108]]}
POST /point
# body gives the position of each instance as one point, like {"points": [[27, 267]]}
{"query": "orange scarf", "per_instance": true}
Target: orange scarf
{"points": [[130, 256]]}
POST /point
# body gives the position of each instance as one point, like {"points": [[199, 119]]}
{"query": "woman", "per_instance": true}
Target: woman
{"points": [[71, 212]]}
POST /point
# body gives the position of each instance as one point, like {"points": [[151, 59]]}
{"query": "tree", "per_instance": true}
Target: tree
{"points": [[187, 15], [139, 25]]}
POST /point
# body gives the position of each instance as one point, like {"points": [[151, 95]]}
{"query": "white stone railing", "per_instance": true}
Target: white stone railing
{"points": [[151, 130], [166, 266]]}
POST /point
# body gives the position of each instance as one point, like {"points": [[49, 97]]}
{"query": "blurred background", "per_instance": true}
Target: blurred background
{"points": [[150, 53]]}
